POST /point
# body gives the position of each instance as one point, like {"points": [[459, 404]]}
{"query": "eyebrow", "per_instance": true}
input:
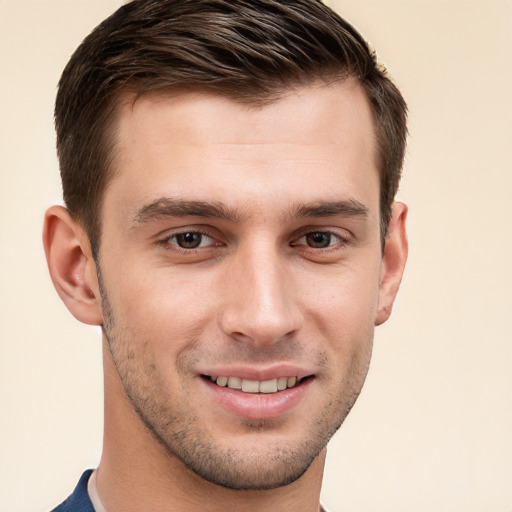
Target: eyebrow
{"points": [[171, 207], [344, 208]]}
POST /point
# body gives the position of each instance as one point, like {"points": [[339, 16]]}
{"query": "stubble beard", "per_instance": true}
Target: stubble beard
{"points": [[184, 437]]}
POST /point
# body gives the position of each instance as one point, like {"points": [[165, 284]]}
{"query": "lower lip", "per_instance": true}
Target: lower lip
{"points": [[258, 406]]}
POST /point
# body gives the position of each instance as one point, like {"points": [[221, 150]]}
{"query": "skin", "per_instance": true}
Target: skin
{"points": [[288, 276]]}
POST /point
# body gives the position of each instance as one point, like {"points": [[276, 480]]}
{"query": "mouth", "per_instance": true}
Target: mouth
{"points": [[266, 387], [259, 393]]}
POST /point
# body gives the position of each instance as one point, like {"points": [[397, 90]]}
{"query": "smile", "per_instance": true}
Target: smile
{"points": [[253, 394], [255, 386]]}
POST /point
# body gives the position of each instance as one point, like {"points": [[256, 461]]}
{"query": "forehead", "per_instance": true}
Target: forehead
{"points": [[318, 113], [313, 140]]}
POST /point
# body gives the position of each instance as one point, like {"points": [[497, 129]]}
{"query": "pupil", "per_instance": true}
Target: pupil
{"points": [[189, 240], [318, 240]]}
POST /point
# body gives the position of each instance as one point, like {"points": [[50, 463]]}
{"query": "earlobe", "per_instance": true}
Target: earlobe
{"points": [[393, 262], [71, 265]]}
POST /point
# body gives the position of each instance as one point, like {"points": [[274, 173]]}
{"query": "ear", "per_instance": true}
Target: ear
{"points": [[71, 265], [393, 262]]}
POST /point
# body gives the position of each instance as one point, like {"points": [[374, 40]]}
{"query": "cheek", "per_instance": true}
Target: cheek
{"points": [[167, 309], [344, 304]]}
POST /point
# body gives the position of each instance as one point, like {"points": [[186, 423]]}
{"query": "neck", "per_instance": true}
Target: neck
{"points": [[137, 472]]}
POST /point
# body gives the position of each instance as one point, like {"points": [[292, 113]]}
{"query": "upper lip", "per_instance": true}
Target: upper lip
{"points": [[259, 374]]}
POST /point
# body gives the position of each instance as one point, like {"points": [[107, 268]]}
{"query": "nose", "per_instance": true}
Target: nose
{"points": [[260, 305]]}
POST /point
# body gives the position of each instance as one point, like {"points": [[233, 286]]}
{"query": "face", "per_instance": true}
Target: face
{"points": [[240, 264]]}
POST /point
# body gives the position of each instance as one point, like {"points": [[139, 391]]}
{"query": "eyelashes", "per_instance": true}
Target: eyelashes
{"points": [[195, 240], [319, 240], [191, 240]]}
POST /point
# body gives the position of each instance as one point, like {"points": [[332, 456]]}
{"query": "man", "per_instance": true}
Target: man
{"points": [[229, 172]]}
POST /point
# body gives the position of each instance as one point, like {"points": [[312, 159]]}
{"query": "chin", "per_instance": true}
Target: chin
{"points": [[257, 462], [253, 472]]}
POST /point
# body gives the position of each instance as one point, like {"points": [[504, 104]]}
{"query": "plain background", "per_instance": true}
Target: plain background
{"points": [[432, 430]]}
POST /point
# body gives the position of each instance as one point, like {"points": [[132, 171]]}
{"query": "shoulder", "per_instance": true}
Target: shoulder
{"points": [[78, 501]]}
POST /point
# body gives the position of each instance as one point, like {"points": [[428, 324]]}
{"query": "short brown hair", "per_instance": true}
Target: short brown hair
{"points": [[250, 51]]}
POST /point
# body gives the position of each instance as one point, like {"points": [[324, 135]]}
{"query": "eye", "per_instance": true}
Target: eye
{"points": [[191, 240], [319, 239]]}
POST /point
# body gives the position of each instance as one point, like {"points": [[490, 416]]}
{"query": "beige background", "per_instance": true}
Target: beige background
{"points": [[433, 428]]}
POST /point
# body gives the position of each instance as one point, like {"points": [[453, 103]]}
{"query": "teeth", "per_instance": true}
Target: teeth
{"points": [[250, 386], [268, 386], [282, 383], [222, 381], [234, 383], [255, 386]]}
